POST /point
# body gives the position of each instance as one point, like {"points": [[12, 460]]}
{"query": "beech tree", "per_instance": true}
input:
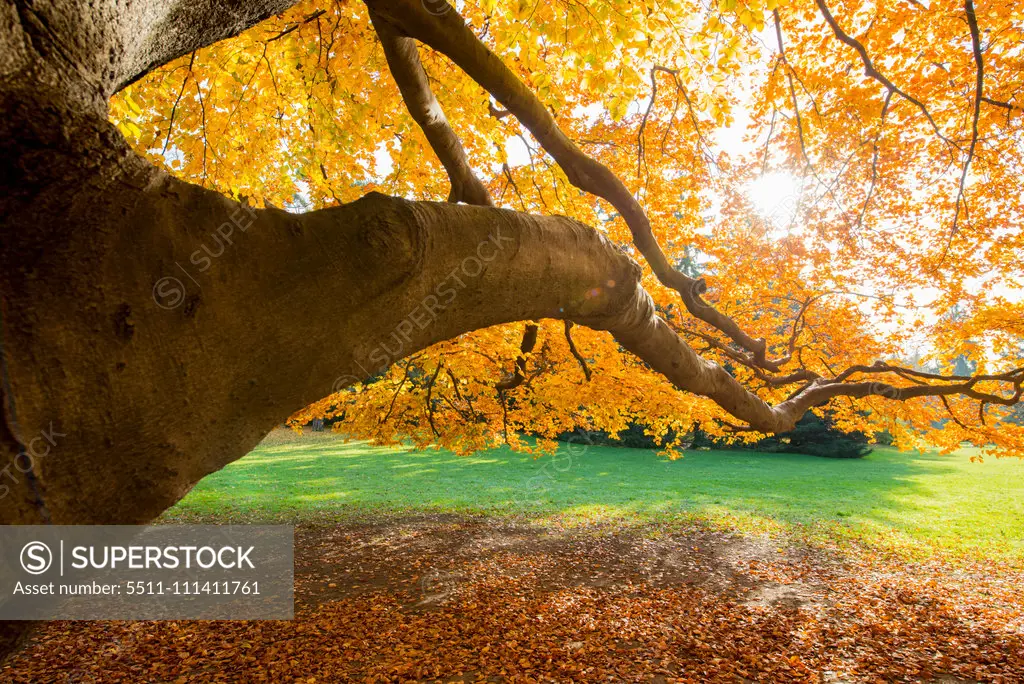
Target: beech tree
{"points": [[162, 312]]}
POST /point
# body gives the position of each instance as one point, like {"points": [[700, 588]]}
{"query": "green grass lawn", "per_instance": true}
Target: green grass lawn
{"points": [[890, 499]]}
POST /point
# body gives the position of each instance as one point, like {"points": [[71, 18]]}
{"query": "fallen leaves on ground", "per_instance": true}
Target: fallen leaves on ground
{"points": [[477, 600]]}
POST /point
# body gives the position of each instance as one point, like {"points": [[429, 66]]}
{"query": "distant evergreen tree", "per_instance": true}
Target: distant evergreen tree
{"points": [[817, 436], [814, 435]]}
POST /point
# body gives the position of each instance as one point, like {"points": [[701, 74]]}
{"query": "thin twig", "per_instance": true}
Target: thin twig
{"points": [[576, 352]]}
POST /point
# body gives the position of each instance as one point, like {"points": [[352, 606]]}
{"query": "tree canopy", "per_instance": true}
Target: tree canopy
{"points": [[825, 197]]}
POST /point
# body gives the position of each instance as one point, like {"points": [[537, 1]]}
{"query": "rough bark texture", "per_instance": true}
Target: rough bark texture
{"points": [[147, 383], [154, 331]]}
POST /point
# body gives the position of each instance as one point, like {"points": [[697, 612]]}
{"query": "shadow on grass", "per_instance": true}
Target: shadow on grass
{"points": [[906, 496]]}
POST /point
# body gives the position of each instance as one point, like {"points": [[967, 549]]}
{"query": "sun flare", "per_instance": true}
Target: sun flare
{"points": [[774, 196]]}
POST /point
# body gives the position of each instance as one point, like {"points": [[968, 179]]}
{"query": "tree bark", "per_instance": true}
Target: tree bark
{"points": [[163, 329], [154, 331]]}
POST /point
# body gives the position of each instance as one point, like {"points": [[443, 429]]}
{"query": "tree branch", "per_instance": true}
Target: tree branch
{"points": [[448, 34], [185, 28], [790, 75], [874, 160], [576, 352], [312, 17], [407, 69], [174, 107], [979, 85], [518, 375], [1001, 104], [429, 398], [872, 72], [702, 145]]}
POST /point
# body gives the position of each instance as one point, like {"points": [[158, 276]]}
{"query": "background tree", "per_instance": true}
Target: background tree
{"points": [[160, 314]]}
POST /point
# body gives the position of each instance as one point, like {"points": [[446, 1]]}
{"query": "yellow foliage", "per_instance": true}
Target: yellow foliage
{"points": [[865, 225]]}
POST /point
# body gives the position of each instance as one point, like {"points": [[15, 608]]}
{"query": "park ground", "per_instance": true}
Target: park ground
{"points": [[598, 564]]}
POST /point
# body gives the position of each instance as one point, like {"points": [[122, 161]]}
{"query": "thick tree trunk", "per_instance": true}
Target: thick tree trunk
{"points": [[161, 330], [154, 331]]}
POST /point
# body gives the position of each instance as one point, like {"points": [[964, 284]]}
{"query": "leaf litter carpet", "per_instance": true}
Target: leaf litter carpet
{"points": [[454, 599]]}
